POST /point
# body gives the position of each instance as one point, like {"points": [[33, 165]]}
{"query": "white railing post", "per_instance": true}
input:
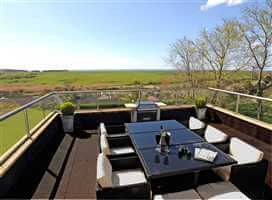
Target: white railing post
{"points": [[237, 103], [259, 109], [27, 123], [176, 97], [43, 110], [97, 101], [77, 97], [139, 95]]}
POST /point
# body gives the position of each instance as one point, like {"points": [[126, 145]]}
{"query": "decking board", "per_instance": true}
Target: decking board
{"points": [[65, 172]]}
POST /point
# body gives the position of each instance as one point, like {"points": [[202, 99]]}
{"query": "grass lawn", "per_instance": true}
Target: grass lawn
{"points": [[13, 128]]}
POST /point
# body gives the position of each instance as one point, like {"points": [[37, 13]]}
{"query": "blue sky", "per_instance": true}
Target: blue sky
{"points": [[105, 34]]}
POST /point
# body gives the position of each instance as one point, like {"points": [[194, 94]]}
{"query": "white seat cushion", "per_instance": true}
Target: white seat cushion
{"points": [[195, 124], [213, 135], [104, 171], [121, 150], [127, 177], [103, 129], [220, 190], [243, 152], [105, 148], [186, 194]]}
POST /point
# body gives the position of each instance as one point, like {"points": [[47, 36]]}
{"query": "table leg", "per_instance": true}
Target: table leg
{"points": [[196, 178]]}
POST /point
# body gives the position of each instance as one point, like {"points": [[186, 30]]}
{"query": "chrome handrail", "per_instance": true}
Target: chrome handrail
{"points": [[11, 113], [238, 95], [241, 94]]}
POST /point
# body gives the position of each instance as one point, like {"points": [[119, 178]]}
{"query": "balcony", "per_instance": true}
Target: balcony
{"points": [[44, 162]]}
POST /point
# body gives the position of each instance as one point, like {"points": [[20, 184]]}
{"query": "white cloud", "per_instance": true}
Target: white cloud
{"points": [[213, 3]]}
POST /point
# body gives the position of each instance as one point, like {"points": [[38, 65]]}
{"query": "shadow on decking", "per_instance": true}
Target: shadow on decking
{"points": [[66, 170]]}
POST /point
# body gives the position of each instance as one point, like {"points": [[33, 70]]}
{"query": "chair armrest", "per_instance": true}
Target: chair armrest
{"points": [[250, 178], [115, 129], [136, 191], [223, 146], [119, 141], [200, 132], [126, 162]]}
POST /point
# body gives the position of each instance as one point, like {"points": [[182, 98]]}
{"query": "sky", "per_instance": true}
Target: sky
{"points": [[105, 34]]}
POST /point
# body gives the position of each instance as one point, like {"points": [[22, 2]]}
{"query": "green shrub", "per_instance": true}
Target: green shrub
{"points": [[67, 108], [200, 102]]}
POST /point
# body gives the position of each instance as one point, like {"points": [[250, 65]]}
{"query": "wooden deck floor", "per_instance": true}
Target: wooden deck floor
{"points": [[66, 171]]}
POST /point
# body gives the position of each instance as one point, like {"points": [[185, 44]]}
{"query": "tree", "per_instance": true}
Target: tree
{"points": [[221, 49], [256, 29], [185, 58]]}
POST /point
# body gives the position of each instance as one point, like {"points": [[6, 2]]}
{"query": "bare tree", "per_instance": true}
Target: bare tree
{"points": [[221, 49], [256, 29], [184, 57]]}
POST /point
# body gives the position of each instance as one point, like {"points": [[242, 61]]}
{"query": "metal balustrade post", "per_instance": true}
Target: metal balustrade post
{"points": [[43, 110], [176, 97], [259, 109], [27, 123], [237, 103], [77, 98], [97, 101]]}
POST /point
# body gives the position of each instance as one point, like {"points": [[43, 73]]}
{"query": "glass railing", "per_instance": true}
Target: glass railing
{"points": [[267, 112], [259, 108], [22, 121], [17, 125], [12, 130]]}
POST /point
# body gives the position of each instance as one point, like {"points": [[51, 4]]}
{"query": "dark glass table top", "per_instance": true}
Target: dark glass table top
{"points": [[179, 136], [157, 165], [139, 127]]}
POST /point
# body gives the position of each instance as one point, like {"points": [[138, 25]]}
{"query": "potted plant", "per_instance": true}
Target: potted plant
{"points": [[200, 106], [67, 110]]}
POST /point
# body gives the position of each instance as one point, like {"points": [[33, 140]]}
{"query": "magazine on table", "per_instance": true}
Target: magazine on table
{"points": [[205, 154]]}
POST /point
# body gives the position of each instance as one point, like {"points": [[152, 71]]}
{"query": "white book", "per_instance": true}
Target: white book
{"points": [[204, 154]]}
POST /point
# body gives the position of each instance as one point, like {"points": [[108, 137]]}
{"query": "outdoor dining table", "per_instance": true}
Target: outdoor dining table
{"points": [[158, 165]]}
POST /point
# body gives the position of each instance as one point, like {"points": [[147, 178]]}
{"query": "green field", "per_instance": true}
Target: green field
{"points": [[85, 78], [106, 78], [13, 128]]}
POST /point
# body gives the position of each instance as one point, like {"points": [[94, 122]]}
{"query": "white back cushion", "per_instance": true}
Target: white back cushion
{"points": [[195, 124], [105, 148], [213, 135], [244, 152], [104, 171], [103, 129]]}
